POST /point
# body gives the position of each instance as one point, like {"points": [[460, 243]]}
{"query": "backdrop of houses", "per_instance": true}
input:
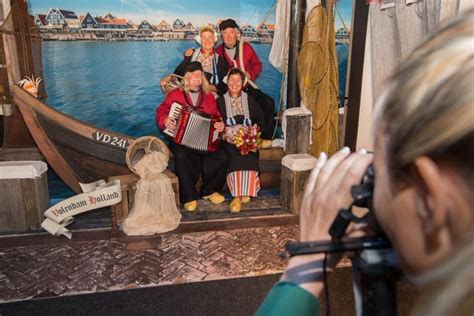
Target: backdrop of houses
{"points": [[61, 24]]}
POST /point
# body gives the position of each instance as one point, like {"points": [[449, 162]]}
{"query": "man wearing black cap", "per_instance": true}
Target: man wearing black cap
{"points": [[190, 163], [242, 56]]}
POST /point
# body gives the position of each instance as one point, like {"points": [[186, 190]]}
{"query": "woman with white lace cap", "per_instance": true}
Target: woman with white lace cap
{"points": [[213, 65], [238, 108]]}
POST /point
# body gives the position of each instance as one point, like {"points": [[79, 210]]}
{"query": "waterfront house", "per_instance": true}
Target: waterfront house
{"points": [[266, 30], [178, 25], [173, 35], [63, 19], [163, 26], [189, 28], [40, 21], [145, 27], [113, 23], [341, 34], [248, 32], [90, 23], [265, 33]]}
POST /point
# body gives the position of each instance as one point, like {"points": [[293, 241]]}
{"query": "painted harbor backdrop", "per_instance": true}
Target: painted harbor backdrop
{"points": [[115, 85]]}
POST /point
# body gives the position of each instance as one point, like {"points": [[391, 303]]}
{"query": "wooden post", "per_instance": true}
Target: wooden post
{"points": [[24, 195], [356, 63], [297, 19], [294, 173], [17, 54], [297, 130]]}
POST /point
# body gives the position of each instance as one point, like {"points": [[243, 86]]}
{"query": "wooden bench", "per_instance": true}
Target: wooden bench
{"points": [[270, 172], [128, 185]]}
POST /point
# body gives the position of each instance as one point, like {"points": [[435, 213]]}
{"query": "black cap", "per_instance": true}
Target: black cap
{"points": [[193, 66], [228, 23]]}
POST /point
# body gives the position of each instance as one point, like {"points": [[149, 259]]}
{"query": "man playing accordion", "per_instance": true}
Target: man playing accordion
{"points": [[190, 163]]}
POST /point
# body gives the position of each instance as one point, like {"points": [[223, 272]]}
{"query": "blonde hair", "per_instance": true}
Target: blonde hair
{"points": [[206, 86], [429, 107], [206, 29]]}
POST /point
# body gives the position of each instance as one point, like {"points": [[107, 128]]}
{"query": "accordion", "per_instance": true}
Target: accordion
{"points": [[193, 129]]}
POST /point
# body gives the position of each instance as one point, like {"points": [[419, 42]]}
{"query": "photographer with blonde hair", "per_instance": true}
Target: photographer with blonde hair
{"points": [[424, 182]]}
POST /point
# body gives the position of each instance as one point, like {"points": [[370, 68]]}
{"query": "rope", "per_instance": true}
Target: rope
{"points": [[267, 15], [342, 20]]}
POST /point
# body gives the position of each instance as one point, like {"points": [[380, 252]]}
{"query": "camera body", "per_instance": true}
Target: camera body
{"points": [[375, 269], [362, 197]]}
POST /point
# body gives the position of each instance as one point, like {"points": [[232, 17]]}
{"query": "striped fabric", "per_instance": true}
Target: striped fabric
{"points": [[243, 183]]}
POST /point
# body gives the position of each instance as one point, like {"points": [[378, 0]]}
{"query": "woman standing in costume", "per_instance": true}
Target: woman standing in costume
{"points": [[190, 163], [214, 66], [238, 108]]}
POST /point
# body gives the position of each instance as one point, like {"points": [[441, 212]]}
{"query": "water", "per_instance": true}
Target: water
{"points": [[115, 85]]}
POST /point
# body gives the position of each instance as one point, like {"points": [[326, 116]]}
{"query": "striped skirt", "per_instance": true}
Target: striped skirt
{"points": [[243, 183]]}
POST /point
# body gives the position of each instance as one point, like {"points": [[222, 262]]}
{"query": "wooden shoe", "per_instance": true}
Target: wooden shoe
{"points": [[235, 206], [245, 199], [266, 143], [190, 206], [215, 198]]}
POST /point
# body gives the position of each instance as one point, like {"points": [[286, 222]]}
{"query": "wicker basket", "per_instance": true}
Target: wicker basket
{"points": [[142, 146]]}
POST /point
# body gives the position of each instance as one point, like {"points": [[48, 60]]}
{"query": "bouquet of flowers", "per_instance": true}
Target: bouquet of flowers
{"points": [[247, 139]]}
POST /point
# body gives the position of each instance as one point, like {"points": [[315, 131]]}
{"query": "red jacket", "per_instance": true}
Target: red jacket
{"points": [[206, 104], [251, 62]]}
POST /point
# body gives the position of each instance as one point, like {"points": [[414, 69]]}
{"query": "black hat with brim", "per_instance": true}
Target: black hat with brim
{"points": [[228, 23], [193, 66]]}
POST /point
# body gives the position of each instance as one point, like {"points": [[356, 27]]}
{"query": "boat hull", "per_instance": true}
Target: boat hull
{"points": [[77, 151]]}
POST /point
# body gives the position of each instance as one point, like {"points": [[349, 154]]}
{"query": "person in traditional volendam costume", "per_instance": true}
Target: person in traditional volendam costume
{"points": [[214, 66], [189, 163], [242, 55], [239, 108]]}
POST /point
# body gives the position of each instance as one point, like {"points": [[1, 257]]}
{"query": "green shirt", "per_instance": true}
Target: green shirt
{"points": [[288, 299]]}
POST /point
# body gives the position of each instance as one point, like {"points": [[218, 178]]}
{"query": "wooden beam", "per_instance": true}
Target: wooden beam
{"points": [[358, 36], [297, 19]]}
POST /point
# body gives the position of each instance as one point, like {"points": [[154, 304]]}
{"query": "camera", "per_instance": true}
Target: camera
{"points": [[362, 197], [374, 265]]}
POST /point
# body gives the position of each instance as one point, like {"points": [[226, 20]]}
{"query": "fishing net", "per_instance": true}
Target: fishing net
{"points": [[318, 77], [154, 210]]}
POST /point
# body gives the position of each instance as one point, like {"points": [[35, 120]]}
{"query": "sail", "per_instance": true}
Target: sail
{"points": [[397, 27], [318, 77], [278, 56]]}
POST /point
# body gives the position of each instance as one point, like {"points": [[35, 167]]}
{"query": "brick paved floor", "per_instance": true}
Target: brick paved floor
{"points": [[72, 267]]}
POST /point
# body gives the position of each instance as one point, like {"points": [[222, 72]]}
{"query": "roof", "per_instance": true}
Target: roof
{"points": [[100, 19], [68, 14], [42, 18], [163, 22], [246, 26], [114, 21], [270, 27]]}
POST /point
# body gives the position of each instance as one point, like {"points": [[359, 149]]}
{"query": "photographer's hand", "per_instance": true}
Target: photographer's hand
{"points": [[327, 191]]}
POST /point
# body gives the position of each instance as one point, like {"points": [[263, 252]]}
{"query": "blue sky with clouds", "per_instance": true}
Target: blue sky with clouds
{"points": [[197, 12]]}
